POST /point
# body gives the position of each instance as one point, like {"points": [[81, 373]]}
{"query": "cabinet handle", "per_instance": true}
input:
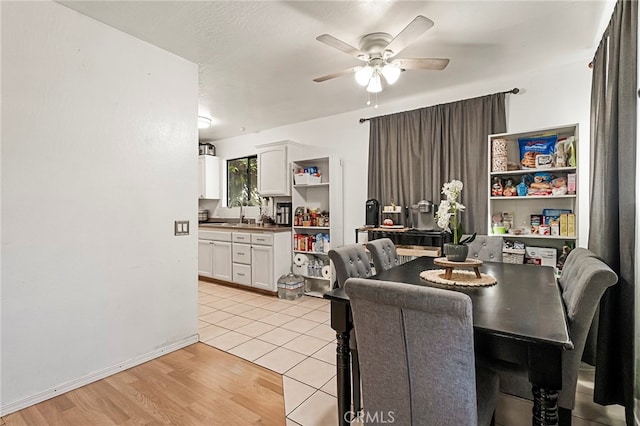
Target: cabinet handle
{"points": [[260, 239], [240, 274], [240, 253]]}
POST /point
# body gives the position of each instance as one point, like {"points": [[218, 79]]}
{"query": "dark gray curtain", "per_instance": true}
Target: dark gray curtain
{"points": [[411, 154], [613, 205]]}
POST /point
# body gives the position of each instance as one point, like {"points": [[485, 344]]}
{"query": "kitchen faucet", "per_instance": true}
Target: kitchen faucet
{"points": [[239, 204]]}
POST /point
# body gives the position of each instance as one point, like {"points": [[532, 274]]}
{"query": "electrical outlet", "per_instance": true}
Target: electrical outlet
{"points": [[181, 227]]}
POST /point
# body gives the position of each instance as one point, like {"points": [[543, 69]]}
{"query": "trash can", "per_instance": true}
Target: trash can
{"points": [[290, 286]]}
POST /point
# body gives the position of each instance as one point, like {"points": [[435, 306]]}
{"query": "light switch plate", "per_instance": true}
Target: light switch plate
{"points": [[181, 227]]}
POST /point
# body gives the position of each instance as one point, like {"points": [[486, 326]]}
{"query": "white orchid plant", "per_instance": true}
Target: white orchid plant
{"points": [[447, 214]]}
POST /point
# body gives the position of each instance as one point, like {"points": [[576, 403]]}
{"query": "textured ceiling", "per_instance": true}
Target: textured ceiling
{"points": [[257, 59]]}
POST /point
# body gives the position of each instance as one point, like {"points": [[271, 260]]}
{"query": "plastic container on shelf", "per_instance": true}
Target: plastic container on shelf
{"points": [[290, 286]]}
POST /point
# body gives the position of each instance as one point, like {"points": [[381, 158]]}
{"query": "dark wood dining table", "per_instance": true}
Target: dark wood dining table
{"points": [[521, 319]]}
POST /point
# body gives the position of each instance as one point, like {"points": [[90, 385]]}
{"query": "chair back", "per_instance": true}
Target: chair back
{"points": [[416, 352], [383, 253], [573, 263], [584, 287], [486, 248], [350, 261]]}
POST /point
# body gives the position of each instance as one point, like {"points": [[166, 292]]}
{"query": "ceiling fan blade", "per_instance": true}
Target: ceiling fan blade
{"points": [[336, 74], [437, 64], [409, 34], [331, 41]]}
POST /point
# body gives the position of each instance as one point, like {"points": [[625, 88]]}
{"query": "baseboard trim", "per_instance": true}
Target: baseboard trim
{"points": [[90, 378]]}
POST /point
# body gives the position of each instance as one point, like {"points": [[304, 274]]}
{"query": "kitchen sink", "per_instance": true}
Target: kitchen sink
{"points": [[231, 225]]}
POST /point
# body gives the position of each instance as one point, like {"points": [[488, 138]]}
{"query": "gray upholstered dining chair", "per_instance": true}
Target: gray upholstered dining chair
{"points": [[352, 261], [383, 253], [417, 355], [584, 280], [573, 263], [487, 248]]}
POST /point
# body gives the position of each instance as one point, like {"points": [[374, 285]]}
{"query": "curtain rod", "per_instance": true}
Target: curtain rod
{"points": [[513, 91]]}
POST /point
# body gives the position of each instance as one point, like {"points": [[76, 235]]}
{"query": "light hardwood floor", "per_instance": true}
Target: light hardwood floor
{"points": [[196, 385]]}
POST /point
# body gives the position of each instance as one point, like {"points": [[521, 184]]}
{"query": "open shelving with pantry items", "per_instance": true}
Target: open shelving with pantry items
{"points": [[317, 220], [532, 194]]}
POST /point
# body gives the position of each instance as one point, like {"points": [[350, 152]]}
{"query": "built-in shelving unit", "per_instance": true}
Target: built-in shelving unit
{"points": [[324, 198], [521, 208]]}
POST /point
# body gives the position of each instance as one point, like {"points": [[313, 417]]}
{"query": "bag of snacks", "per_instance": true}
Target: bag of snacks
{"points": [[530, 148]]}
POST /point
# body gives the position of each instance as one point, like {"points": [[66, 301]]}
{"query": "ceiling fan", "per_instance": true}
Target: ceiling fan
{"points": [[377, 50]]}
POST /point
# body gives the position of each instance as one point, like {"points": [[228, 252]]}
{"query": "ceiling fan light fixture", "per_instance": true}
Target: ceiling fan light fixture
{"points": [[363, 75], [375, 85], [391, 73]]}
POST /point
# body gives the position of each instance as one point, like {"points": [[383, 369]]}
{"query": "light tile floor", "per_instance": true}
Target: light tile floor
{"points": [[294, 338]]}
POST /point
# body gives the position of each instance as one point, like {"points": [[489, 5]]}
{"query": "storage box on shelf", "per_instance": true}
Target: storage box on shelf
{"points": [[317, 220]]}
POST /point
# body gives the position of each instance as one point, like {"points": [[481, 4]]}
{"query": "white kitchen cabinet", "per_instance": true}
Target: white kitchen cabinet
{"points": [[274, 170], [262, 267], [222, 260], [521, 208], [241, 256], [209, 177], [255, 259], [205, 258], [323, 197], [214, 254]]}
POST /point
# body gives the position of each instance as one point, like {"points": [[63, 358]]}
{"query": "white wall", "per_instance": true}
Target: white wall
{"points": [[556, 96], [99, 157]]}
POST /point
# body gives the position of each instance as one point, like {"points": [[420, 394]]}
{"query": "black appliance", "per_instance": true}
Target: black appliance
{"points": [[372, 213], [283, 214]]}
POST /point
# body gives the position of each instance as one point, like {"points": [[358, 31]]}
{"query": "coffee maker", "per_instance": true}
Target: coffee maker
{"points": [[423, 215], [372, 213], [283, 214]]}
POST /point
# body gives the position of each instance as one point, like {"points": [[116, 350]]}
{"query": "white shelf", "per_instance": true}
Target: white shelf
{"points": [[311, 252], [533, 197], [324, 228], [316, 278], [529, 171], [323, 196], [315, 294], [310, 185], [522, 208], [539, 237]]}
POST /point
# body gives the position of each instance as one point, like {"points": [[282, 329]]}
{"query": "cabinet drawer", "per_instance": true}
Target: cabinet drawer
{"points": [[214, 235], [262, 239], [242, 274], [241, 253], [241, 237]]}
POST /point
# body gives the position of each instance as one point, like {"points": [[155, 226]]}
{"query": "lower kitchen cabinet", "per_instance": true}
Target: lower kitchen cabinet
{"points": [[214, 254], [253, 259], [222, 260], [205, 258], [262, 268]]}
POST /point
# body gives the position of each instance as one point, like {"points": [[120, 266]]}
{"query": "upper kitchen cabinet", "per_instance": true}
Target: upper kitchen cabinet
{"points": [[209, 177], [274, 170]]}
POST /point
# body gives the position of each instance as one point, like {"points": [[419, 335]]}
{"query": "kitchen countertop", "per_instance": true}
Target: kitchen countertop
{"points": [[242, 227]]}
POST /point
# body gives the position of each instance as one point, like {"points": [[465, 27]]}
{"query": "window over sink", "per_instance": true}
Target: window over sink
{"points": [[242, 178]]}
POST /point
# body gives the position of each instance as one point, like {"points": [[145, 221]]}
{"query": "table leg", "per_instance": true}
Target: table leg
{"points": [[477, 271], [545, 376], [448, 270], [342, 323], [343, 368], [545, 407]]}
